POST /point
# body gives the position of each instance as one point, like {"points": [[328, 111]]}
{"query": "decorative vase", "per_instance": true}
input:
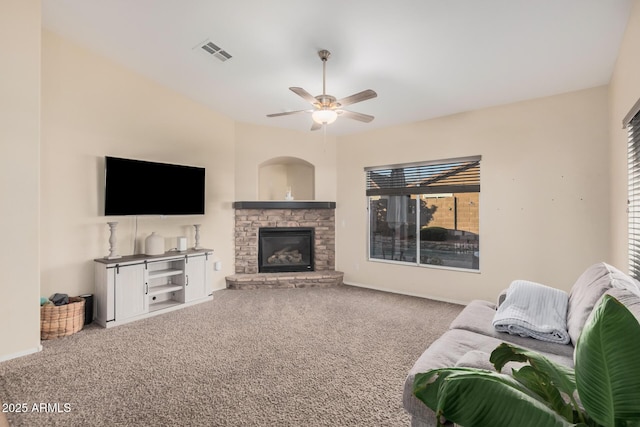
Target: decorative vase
{"points": [[154, 244]]}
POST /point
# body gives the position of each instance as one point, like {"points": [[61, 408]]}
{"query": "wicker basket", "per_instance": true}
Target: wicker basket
{"points": [[61, 320]]}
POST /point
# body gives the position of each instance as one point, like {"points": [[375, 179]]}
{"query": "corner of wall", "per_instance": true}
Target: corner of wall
{"points": [[20, 44]]}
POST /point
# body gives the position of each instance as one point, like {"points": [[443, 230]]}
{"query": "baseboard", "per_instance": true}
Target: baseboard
{"points": [[395, 291], [20, 354]]}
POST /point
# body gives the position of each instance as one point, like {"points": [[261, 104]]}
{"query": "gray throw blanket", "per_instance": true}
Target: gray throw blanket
{"points": [[534, 310]]}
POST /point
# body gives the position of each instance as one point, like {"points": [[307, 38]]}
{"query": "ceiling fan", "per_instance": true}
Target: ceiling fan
{"points": [[327, 108]]}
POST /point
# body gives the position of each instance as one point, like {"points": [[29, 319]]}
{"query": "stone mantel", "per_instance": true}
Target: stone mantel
{"points": [[284, 204]]}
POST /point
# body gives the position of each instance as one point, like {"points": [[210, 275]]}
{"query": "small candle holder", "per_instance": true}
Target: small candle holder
{"points": [[197, 245], [113, 253]]}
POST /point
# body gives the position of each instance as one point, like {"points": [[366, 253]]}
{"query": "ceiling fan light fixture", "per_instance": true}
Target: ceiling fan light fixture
{"points": [[324, 116]]}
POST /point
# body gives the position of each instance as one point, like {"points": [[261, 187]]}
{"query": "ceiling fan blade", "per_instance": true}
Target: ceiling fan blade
{"points": [[357, 97], [304, 94], [355, 116], [286, 113], [315, 126]]}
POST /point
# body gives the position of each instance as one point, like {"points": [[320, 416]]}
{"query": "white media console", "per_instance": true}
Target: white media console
{"points": [[138, 286]]}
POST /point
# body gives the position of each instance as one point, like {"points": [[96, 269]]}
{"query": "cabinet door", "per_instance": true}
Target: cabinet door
{"points": [[197, 278], [130, 287]]}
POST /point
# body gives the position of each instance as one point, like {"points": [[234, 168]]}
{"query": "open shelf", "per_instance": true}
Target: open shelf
{"points": [[157, 290], [162, 305], [165, 273]]}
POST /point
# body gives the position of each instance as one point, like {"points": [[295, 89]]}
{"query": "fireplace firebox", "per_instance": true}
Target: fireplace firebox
{"points": [[282, 249]]}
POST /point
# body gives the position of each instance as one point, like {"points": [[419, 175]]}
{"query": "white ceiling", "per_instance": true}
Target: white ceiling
{"points": [[424, 58]]}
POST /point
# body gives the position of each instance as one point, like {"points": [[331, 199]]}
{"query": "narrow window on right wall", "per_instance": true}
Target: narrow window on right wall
{"points": [[426, 213], [632, 123]]}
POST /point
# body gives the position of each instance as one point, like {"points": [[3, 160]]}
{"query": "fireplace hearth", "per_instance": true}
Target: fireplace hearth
{"points": [[285, 249]]}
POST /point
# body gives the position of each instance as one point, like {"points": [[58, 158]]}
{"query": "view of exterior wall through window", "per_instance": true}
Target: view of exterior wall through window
{"points": [[426, 213]]}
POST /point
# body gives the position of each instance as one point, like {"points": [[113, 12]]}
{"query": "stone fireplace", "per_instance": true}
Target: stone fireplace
{"points": [[289, 217]]}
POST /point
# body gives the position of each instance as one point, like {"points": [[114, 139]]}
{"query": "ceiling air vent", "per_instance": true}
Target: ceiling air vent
{"points": [[212, 50]]}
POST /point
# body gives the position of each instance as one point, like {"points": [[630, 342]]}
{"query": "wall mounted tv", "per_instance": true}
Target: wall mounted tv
{"points": [[137, 187]]}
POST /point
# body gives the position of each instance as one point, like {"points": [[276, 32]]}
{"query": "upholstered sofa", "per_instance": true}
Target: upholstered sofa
{"points": [[472, 335]]}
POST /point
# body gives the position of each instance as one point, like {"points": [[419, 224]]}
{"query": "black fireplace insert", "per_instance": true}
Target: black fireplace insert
{"points": [[282, 249]]}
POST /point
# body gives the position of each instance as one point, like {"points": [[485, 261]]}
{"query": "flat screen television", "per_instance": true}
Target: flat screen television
{"points": [[138, 187]]}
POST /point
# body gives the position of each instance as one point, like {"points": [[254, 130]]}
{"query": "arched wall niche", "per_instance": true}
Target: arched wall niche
{"points": [[278, 175]]}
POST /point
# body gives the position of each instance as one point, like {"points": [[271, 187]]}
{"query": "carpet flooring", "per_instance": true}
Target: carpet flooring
{"points": [[273, 357]]}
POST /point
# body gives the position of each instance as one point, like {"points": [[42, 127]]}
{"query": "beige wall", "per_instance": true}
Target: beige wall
{"points": [[91, 108], [300, 178], [272, 182], [258, 144], [19, 183], [543, 205], [624, 91]]}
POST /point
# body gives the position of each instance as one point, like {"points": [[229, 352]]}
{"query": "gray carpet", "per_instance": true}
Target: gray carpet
{"points": [[274, 357]]}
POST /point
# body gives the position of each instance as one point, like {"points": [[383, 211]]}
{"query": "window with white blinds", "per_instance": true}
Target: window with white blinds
{"points": [[633, 157], [425, 213]]}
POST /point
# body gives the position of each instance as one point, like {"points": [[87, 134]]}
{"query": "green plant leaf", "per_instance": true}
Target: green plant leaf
{"points": [[607, 367], [484, 398], [540, 384], [426, 385], [561, 376]]}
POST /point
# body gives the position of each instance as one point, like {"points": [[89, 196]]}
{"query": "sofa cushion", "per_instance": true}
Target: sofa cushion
{"points": [[477, 317], [476, 359], [628, 297], [442, 353], [480, 360], [590, 286]]}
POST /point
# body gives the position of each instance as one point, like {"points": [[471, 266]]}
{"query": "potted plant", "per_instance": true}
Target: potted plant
{"points": [[603, 390]]}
